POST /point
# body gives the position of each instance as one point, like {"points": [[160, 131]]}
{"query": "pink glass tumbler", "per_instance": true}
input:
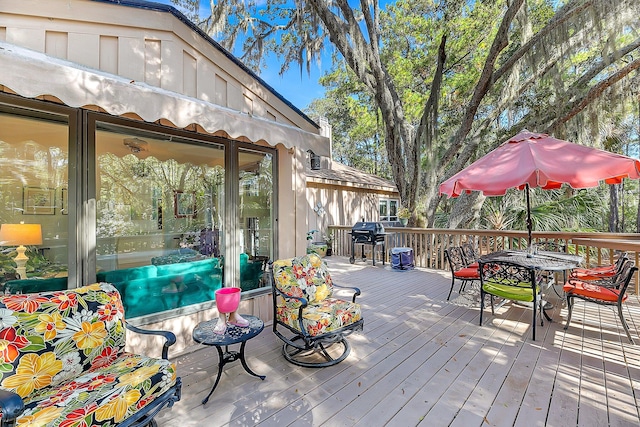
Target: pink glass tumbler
{"points": [[228, 299]]}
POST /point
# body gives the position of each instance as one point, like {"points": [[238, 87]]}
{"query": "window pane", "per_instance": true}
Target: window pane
{"points": [[393, 210], [34, 189], [159, 218], [383, 210], [255, 216]]}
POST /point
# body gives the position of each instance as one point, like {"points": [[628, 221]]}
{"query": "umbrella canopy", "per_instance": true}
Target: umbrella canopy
{"points": [[538, 160]]}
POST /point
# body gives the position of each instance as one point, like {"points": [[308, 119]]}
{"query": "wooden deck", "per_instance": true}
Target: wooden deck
{"points": [[424, 361]]}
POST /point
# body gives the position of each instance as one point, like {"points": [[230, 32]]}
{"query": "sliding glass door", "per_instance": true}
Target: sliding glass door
{"points": [[255, 216], [159, 218], [34, 199]]}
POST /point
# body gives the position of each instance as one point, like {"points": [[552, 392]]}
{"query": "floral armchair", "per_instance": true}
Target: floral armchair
{"points": [[311, 321], [62, 362]]}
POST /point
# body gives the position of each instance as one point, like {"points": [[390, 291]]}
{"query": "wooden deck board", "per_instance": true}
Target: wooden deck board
{"points": [[422, 360]]}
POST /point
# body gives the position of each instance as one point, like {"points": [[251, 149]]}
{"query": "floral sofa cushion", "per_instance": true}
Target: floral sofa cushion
{"points": [[308, 277], [63, 353]]}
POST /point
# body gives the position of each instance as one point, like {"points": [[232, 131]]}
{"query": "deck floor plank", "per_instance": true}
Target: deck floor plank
{"points": [[391, 374], [388, 330], [381, 361], [422, 360]]}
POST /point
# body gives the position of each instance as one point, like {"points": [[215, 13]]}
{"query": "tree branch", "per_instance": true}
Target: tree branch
{"points": [[485, 81], [429, 121], [560, 18], [574, 95], [592, 94], [340, 32]]}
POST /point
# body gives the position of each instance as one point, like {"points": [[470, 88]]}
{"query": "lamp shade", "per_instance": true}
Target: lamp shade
{"points": [[20, 234]]}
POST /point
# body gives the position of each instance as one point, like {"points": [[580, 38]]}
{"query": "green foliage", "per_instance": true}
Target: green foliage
{"points": [[404, 213], [394, 54], [358, 134], [555, 210], [37, 265]]}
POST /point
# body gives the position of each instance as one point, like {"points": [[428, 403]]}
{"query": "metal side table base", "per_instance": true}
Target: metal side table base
{"points": [[203, 333]]}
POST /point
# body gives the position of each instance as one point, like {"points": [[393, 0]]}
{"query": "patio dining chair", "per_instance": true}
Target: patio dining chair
{"points": [[613, 295], [460, 270], [510, 282], [311, 320], [601, 273], [547, 276]]}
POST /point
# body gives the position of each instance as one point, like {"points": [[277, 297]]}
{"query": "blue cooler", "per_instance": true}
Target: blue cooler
{"points": [[402, 258]]}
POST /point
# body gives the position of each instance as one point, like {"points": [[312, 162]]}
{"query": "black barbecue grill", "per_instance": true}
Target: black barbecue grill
{"points": [[367, 233]]}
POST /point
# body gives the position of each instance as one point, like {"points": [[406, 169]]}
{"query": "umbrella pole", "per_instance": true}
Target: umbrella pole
{"points": [[529, 224]]}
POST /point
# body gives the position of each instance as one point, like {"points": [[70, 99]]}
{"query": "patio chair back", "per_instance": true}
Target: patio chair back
{"points": [[603, 273], [460, 270], [455, 257], [470, 253], [602, 293], [510, 282]]}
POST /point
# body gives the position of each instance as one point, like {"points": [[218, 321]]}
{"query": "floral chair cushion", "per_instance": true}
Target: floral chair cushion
{"points": [[307, 277], [326, 316], [63, 353]]}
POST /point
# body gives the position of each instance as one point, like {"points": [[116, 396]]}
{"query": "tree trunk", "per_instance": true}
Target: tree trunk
{"points": [[576, 99], [614, 222], [353, 27], [466, 211], [484, 84]]}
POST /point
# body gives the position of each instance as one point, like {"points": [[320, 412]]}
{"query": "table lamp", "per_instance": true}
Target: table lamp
{"points": [[20, 235]]}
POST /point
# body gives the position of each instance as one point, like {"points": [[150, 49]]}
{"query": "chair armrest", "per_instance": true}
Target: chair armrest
{"points": [[303, 304], [599, 274], [170, 337], [605, 282], [301, 300], [356, 291], [12, 406]]}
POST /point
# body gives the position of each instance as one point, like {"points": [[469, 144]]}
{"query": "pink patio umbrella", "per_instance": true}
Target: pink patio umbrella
{"points": [[539, 160]]}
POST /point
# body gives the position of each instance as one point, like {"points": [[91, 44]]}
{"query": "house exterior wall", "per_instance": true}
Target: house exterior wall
{"points": [[342, 205], [292, 207], [143, 45], [157, 48]]}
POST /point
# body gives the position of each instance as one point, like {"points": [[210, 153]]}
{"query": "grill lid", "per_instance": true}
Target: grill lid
{"points": [[368, 227]]}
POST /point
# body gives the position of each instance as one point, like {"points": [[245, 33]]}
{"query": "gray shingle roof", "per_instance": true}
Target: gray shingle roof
{"points": [[348, 176]]}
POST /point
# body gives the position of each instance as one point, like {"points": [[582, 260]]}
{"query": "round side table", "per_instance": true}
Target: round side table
{"points": [[203, 334]]}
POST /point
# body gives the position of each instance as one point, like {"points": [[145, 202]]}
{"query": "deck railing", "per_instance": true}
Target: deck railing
{"points": [[429, 244]]}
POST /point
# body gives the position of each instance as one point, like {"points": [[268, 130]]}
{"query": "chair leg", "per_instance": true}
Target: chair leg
{"points": [[311, 357], [453, 282], [463, 284], [481, 306], [570, 307], [624, 323], [542, 312]]}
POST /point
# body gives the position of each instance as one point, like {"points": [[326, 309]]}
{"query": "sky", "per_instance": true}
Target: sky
{"points": [[296, 86]]}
